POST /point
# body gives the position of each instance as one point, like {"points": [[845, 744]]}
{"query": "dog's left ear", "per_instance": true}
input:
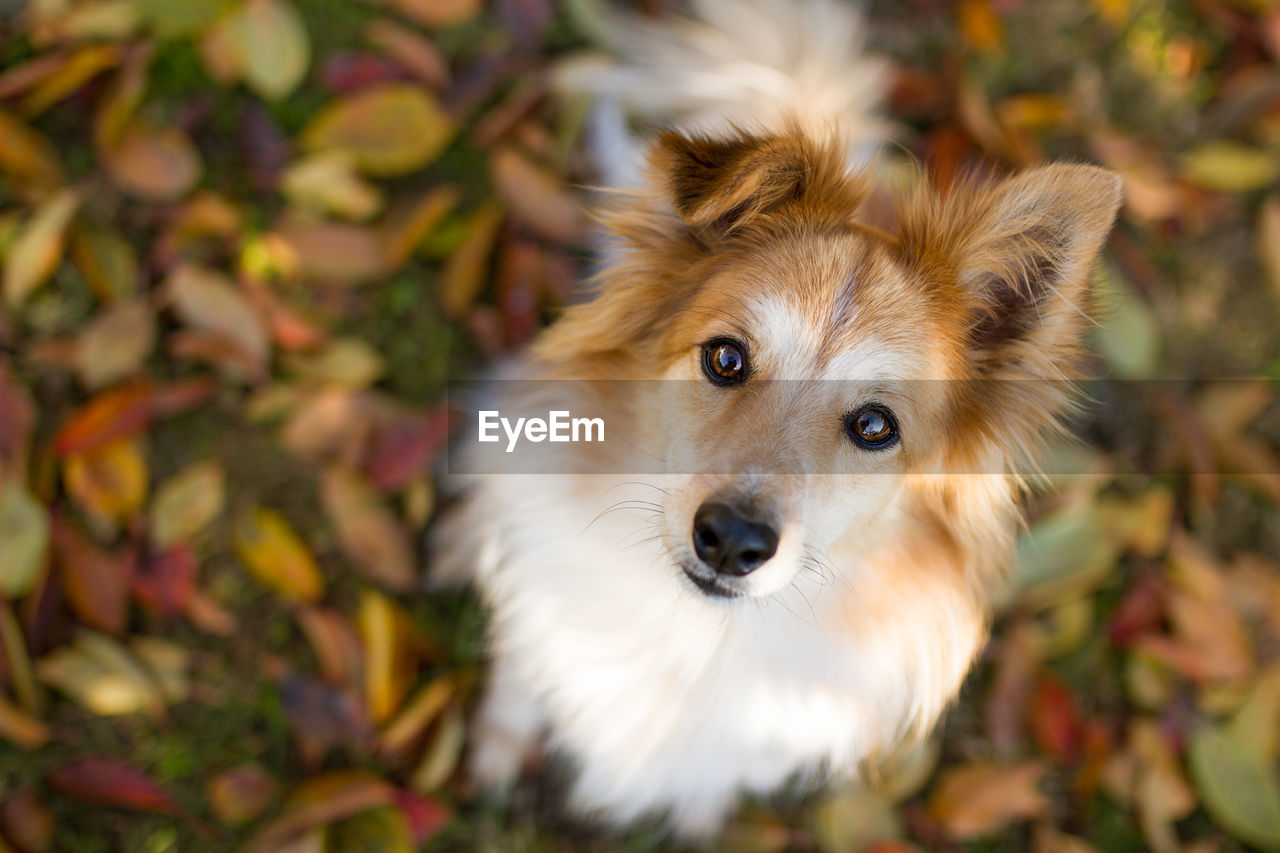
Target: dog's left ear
{"points": [[1021, 252], [722, 184]]}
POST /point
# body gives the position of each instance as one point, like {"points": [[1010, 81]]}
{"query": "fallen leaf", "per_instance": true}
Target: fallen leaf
{"points": [[17, 417], [391, 648], [240, 794], [344, 362], [95, 581], [328, 183], [165, 582], [273, 48], [333, 638], [981, 26], [103, 676], [404, 447], [855, 818], [418, 713], [383, 829], [208, 301], [106, 260], [1054, 719], [125, 411], [436, 14], [424, 815], [369, 533], [389, 130], [107, 782], [167, 662], [979, 798], [442, 752], [154, 164], [1269, 240], [27, 821], [115, 344], [411, 50], [186, 503], [27, 156], [536, 197], [1230, 167], [335, 252], [467, 270], [24, 539], [322, 718], [275, 555], [80, 67], [1233, 766], [109, 481], [20, 728], [37, 250], [321, 801]]}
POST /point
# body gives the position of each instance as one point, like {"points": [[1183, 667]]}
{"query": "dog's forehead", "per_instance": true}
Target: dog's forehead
{"points": [[837, 310]]}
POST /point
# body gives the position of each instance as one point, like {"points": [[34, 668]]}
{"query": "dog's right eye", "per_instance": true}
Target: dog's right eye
{"points": [[724, 361]]}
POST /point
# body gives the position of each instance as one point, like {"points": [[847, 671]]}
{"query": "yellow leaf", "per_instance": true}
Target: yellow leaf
{"points": [[186, 503], [102, 675], [26, 155], [24, 539], [37, 250], [981, 26], [83, 65], [388, 639], [110, 481], [435, 14], [21, 728], [270, 548], [389, 129], [1230, 167], [271, 42], [106, 260], [465, 273], [327, 182]]}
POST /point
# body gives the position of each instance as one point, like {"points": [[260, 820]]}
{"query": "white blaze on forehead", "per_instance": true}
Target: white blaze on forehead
{"points": [[791, 341]]}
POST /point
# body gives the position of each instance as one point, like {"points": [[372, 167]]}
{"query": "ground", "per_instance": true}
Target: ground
{"points": [[245, 243]]}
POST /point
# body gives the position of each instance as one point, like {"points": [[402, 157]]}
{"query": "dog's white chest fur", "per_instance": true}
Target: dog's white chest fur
{"points": [[663, 700]]}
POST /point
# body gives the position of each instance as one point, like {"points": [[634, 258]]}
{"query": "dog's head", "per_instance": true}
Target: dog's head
{"points": [[828, 365]]}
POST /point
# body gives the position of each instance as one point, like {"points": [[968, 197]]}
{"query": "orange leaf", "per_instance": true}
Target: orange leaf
{"points": [[95, 581], [126, 411], [979, 798], [465, 273], [536, 197]]}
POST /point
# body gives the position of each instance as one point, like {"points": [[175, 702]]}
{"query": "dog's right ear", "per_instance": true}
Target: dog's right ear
{"points": [[722, 184]]}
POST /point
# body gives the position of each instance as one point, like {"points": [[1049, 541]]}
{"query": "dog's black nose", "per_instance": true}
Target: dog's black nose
{"points": [[730, 541]]}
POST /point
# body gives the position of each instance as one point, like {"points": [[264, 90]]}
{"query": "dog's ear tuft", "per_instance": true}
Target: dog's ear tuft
{"points": [[1022, 252], [725, 182]]}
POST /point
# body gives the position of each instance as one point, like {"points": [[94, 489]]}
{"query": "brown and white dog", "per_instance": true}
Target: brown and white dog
{"points": [[818, 556]]}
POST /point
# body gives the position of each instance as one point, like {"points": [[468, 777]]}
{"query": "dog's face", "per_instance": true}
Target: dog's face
{"points": [[823, 365]]}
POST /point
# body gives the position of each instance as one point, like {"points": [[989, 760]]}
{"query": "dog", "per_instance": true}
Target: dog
{"points": [[837, 399]]}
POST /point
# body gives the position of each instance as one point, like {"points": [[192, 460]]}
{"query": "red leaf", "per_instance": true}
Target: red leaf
{"points": [[164, 584], [1139, 611], [127, 410], [107, 782], [17, 415], [424, 815], [1054, 719], [405, 448]]}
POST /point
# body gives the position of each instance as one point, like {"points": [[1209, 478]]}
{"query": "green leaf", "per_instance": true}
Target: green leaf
{"points": [[24, 540], [274, 51], [1230, 167]]}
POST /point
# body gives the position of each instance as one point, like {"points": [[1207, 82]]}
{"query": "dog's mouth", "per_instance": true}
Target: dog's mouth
{"points": [[708, 586]]}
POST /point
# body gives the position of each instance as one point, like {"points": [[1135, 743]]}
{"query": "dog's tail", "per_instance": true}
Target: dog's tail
{"points": [[756, 65]]}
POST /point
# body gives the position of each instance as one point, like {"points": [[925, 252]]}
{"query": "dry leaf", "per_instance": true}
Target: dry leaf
{"points": [[186, 503], [979, 798], [271, 44], [26, 156], [389, 130], [115, 344], [106, 782], [102, 675], [327, 183], [95, 581], [369, 533], [391, 647], [154, 164], [536, 197], [210, 302], [110, 481], [37, 250], [465, 273], [241, 793], [24, 539], [266, 543], [435, 14]]}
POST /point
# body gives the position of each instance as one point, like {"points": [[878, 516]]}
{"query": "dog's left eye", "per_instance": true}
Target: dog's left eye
{"points": [[872, 428], [724, 361]]}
